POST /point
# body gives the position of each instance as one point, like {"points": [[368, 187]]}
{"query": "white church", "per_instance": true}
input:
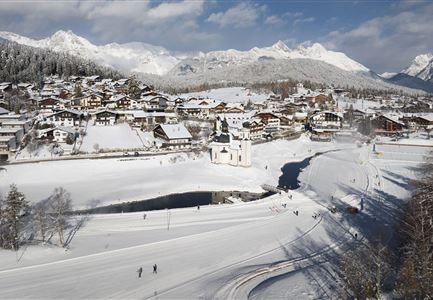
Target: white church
{"points": [[229, 149]]}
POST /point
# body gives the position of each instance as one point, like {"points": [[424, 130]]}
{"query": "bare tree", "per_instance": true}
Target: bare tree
{"points": [[32, 147], [41, 219], [96, 147], [365, 270], [415, 280], [60, 203]]}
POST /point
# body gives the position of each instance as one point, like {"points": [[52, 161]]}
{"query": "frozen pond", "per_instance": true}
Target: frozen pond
{"points": [[180, 200], [291, 171]]}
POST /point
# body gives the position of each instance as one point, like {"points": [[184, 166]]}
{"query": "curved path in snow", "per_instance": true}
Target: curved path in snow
{"points": [[344, 170]]}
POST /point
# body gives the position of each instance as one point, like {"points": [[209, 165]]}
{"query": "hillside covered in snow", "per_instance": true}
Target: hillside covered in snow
{"points": [[278, 51], [274, 70], [130, 57]]}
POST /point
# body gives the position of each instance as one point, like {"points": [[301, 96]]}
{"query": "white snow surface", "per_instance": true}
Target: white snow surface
{"points": [[203, 254], [114, 180], [116, 137], [230, 95]]}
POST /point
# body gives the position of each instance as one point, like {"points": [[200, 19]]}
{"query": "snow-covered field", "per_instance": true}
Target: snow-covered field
{"points": [[360, 104], [114, 180], [116, 137], [259, 249], [230, 95]]}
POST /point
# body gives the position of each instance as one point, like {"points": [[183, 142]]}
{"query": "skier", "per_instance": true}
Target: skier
{"points": [[155, 269], [144, 216], [140, 270], [198, 207]]}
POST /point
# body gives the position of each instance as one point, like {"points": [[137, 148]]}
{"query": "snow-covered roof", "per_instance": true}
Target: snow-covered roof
{"points": [[72, 111], [12, 131], [11, 117], [94, 77], [176, 131], [117, 97], [200, 104], [300, 114], [3, 111], [66, 129], [328, 112], [394, 118], [6, 138], [428, 117], [15, 122]]}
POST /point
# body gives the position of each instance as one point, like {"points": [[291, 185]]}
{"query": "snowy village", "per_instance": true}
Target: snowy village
{"points": [[128, 171]]}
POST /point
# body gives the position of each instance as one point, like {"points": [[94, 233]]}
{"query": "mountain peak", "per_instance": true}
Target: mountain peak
{"points": [[280, 45], [419, 65], [62, 33], [62, 36], [318, 47], [315, 49]]}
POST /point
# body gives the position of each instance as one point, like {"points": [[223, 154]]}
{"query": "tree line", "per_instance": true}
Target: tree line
{"points": [[406, 272], [22, 222]]}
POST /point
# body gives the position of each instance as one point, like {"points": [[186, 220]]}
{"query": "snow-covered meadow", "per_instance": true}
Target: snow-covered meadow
{"points": [[126, 179], [116, 137], [230, 95], [255, 249]]}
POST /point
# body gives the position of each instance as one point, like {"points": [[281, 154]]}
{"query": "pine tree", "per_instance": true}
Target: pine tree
{"points": [[133, 88], [77, 91], [15, 208]]}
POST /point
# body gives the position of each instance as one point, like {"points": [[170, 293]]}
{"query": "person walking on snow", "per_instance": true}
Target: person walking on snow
{"points": [[140, 270], [155, 269]]}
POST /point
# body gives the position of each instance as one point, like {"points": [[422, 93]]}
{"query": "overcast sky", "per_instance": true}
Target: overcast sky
{"points": [[384, 35]]}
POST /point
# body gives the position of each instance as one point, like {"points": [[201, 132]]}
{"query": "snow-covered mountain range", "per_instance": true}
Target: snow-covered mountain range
{"points": [[146, 58], [130, 57], [421, 67], [277, 62], [419, 75], [220, 59]]}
